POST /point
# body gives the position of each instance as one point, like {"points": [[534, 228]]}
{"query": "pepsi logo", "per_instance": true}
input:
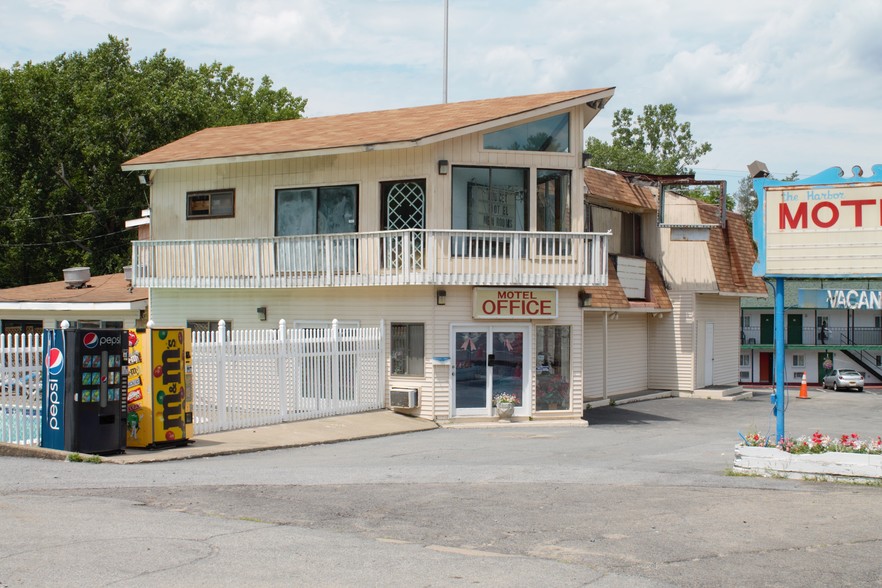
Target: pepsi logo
{"points": [[90, 340], [54, 361]]}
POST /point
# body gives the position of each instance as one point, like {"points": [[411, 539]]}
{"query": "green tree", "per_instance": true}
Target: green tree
{"points": [[654, 144], [67, 125], [745, 197]]}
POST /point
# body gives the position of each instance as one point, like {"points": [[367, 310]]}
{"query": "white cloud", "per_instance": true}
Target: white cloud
{"points": [[795, 83]]}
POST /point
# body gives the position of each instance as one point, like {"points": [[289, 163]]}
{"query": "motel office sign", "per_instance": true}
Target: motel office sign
{"points": [[823, 226], [514, 303]]}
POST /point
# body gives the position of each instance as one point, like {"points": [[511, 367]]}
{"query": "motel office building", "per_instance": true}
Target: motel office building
{"points": [[474, 232]]}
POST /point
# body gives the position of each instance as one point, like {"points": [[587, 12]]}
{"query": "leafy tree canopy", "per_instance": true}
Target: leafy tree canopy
{"points": [[653, 144], [66, 126]]}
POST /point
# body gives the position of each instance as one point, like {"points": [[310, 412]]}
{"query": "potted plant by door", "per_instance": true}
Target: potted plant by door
{"points": [[505, 405]]}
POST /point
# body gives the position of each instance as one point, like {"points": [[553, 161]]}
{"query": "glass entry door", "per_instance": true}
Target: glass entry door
{"points": [[489, 361]]}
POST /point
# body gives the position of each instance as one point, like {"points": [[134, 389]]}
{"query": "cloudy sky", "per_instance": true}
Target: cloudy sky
{"points": [[795, 84]]}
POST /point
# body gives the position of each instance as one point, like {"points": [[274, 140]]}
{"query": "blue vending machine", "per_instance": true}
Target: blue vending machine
{"points": [[85, 381]]}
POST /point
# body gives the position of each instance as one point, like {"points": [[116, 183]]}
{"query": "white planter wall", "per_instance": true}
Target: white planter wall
{"points": [[770, 461]]}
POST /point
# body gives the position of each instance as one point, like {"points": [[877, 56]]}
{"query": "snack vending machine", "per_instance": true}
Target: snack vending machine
{"points": [[85, 389], [160, 392]]}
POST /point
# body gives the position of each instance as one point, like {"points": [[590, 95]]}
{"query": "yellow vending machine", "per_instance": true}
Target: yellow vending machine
{"points": [[160, 394]]}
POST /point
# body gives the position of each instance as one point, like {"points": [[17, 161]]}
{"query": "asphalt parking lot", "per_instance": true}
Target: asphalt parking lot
{"points": [[643, 496]]}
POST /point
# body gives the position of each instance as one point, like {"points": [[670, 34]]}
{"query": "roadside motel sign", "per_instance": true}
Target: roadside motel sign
{"points": [[823, 226]]}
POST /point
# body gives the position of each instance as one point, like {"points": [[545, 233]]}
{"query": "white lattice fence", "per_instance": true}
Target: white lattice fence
{"points": [[251, 378]]}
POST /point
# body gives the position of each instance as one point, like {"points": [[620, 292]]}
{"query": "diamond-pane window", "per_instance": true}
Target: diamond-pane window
{"points": [[404, 207]]}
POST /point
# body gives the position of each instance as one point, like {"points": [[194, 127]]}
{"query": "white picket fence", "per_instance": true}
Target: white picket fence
{"points": [[252, 378], [21, 357], [241, 378]]}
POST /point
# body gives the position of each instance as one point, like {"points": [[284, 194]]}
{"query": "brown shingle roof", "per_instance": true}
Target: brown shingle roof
{"points": [[612, 296], [611, 187], [731, 252], [353, 130], [100, 289]]}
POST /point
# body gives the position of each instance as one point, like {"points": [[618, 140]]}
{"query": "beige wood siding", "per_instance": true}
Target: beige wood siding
{"points": [[594, 355], [368, 306], [725, 314], [627, 348], [686, 265], [672, 345], [255, 184]]}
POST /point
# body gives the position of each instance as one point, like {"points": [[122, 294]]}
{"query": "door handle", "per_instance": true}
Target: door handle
{"points": [[491, 360]]}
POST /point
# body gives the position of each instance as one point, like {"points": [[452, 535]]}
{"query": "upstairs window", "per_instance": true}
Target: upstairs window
{"points": [[490, 198], [547, 134], [553, 200], [211, 204], [316, 211]]}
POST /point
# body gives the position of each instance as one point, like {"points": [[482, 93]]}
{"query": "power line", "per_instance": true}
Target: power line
{"points": [[10, 245], [66, 214]]}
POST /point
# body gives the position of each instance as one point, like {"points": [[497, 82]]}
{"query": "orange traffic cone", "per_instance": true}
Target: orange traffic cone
{"points": [[803, 388]]}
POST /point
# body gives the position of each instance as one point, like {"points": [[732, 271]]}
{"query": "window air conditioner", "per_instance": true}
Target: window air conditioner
{"points": [[404, 397]]}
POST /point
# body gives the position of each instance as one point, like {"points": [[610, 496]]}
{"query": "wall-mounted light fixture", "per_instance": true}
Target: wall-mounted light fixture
{"points": [[261, 313], [584, 299], [614, 316], [586, 159], [443, 167], [440, 297], [144, 179]]}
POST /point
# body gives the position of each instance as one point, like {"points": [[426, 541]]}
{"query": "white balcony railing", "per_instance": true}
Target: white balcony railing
{"points": [[386, 258]]}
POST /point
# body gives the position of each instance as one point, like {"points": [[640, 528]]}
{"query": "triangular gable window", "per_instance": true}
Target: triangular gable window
{"points": [[547, 134]]}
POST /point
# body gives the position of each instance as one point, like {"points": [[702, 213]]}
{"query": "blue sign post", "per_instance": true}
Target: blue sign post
{"points": [[778, 397]]}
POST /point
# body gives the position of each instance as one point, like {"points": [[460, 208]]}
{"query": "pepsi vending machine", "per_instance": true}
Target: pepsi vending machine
{"points": [[84, 390]]}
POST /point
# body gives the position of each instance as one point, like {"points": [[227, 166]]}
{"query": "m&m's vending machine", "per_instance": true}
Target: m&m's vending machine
{"points": [[84, 390], [160, 392]]}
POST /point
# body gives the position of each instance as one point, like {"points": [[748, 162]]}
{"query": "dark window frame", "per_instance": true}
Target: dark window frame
{"points": [[526, 190], [356, 204], [414, 364], [209, 195], [21, 326], [196, 325]]}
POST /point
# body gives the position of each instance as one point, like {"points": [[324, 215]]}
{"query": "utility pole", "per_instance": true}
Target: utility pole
{"points": [[444, 96]]}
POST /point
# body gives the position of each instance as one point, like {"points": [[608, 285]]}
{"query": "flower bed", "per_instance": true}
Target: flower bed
{"points": [[818, 457]]}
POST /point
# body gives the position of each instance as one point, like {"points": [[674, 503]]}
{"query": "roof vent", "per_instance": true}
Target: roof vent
{"points": [[76, 277]]}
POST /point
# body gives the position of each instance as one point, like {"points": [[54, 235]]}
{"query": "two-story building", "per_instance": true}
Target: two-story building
{"points": [[830, 323], [473, 231]]}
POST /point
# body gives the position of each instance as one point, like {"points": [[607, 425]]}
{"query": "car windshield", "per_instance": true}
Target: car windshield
{"points": [[849, 373]]}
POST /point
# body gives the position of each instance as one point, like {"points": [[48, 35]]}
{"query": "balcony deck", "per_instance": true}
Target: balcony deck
{"points": [[386, 258]]}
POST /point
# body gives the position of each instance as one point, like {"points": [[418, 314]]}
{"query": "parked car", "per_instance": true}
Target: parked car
{"points": [[847, 378]]}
